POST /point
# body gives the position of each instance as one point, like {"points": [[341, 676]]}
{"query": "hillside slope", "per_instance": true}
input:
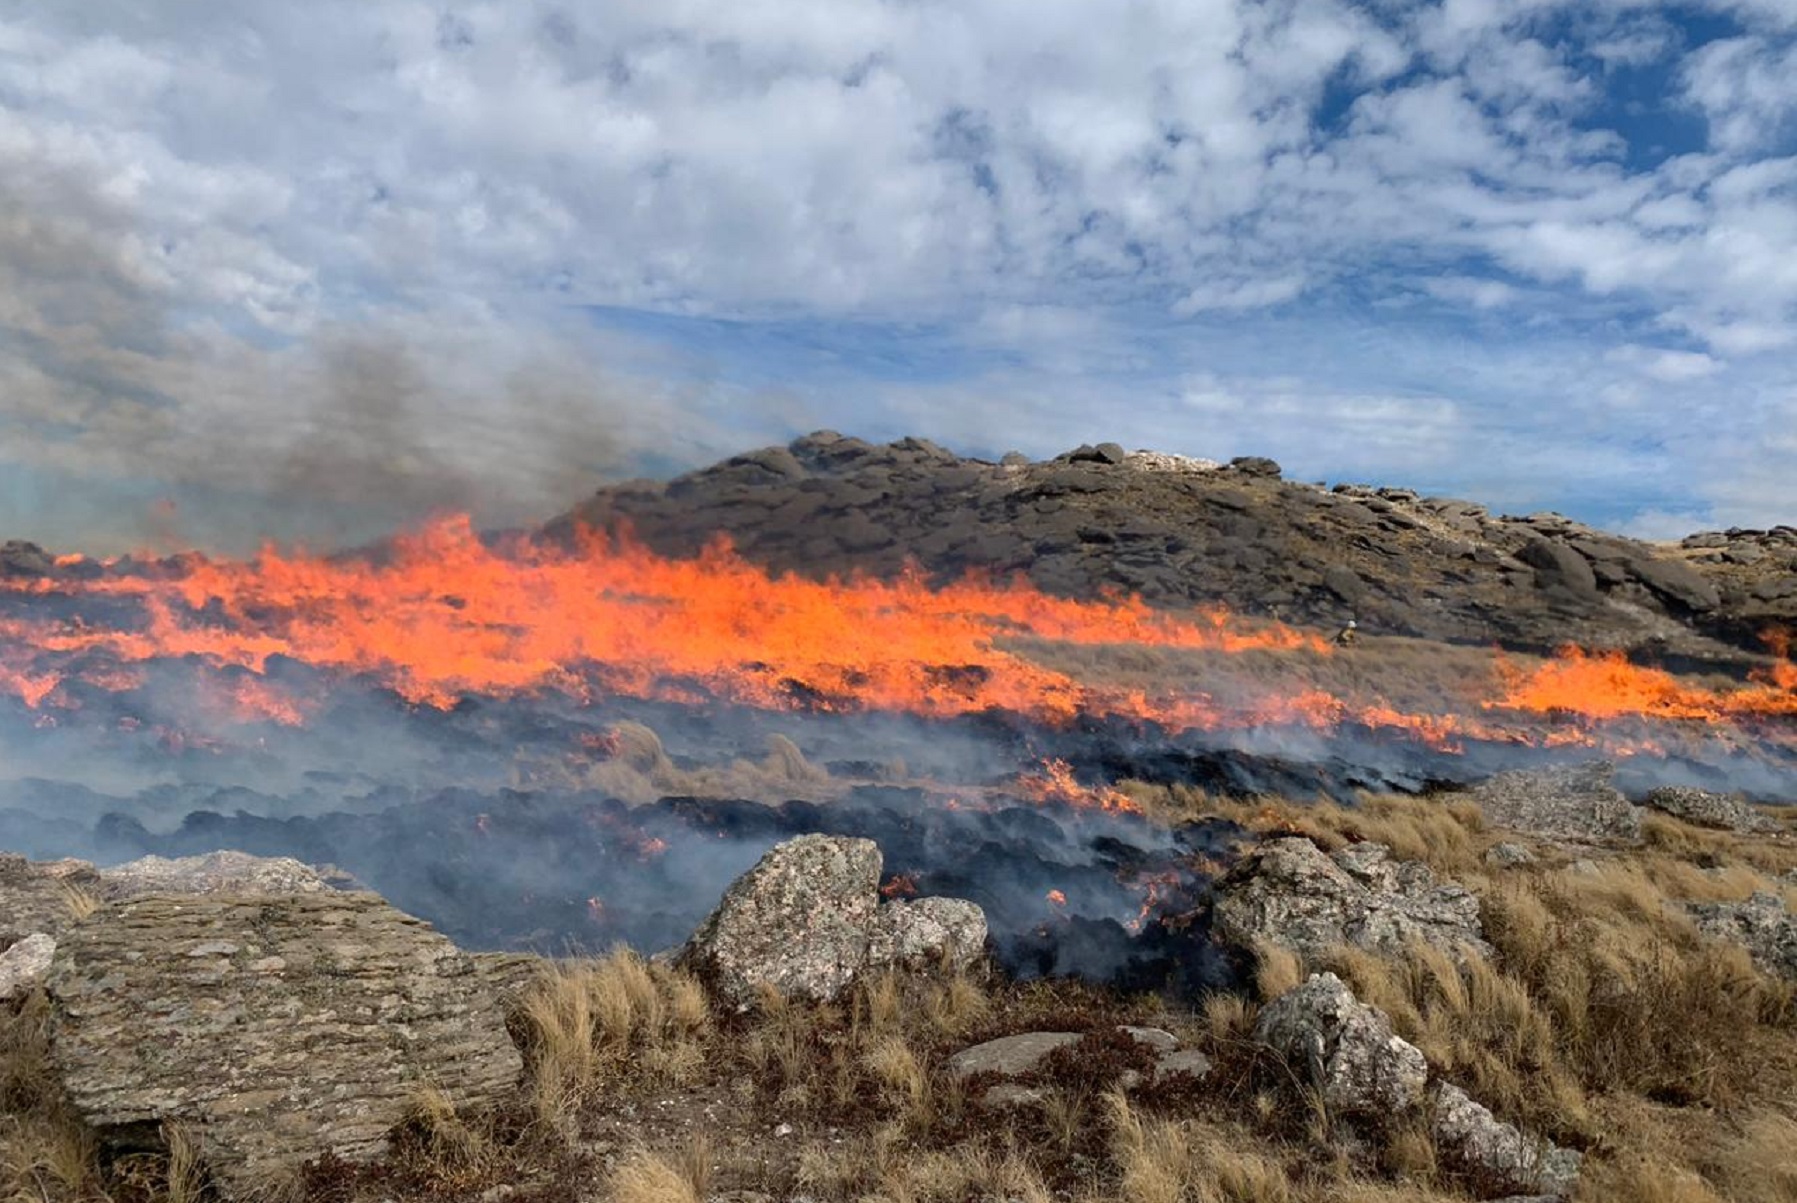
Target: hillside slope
{"points": [[1182, 532]]}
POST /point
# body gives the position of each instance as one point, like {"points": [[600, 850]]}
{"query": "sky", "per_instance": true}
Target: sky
{"points": [[312, 271]]}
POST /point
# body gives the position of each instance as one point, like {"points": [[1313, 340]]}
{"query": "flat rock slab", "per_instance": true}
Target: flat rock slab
{"points": [[279, 1028], [1577, 801], [1010, 1056], [214, 873]]}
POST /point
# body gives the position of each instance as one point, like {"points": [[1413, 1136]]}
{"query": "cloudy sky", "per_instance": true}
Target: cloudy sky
{"points": [[309, 270]]}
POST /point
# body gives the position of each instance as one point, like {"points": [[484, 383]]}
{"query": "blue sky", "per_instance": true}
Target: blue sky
{"points": [[313, 271]]}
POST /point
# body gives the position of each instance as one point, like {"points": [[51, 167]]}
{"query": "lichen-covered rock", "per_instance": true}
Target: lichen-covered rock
{"points": [[1763, 925], [42, 896], [1496, 1153], [1508, 856], [807, 920], [925, 933], [1288, 892], [279, 1028], [1344, 1048], [1009, 1056], [1577, 801], [1706, 808], [226, 872], [24, 965]]}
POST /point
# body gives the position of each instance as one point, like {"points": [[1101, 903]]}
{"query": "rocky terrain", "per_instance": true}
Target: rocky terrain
{"points": [[1523, 991], [1183, 531], [1534, 974]]}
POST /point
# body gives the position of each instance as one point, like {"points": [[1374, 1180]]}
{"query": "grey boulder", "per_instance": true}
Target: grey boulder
{"points": [[807, 921], [1289, 892], [1706, 808], [24, 965], [278, 1029], [1345, 1049], [1763, 925], [1579, 802]]}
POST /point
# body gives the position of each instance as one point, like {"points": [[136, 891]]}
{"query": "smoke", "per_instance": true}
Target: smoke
{"points": [[133, 413]]}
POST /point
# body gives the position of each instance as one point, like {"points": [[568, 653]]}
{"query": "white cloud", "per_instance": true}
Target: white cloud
{"points": [[203, 205], [1668, 366]]}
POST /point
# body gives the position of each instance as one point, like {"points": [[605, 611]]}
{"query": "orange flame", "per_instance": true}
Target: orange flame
{"points": [[902, 885], [443, 616], [1056, 783]]}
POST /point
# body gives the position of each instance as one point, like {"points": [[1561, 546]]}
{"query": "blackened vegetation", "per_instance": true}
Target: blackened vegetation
{"points": [[564, 872]]}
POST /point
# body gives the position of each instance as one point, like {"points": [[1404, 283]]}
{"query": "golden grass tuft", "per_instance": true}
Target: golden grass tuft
{"points": [[589, 1023], [1277, 969], [80, 901], [644, 1176]]}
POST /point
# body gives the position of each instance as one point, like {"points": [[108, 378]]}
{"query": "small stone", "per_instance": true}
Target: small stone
{"points": [[1157, 1039], [1508, 856]]}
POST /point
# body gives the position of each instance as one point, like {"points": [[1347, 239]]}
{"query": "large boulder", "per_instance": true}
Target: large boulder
{"points": [[1497, 1154], [1344, 1049], [278, 1028], [24, 965], [1577, 801], [1364, 1072], [1706, 808], [1559, 568], [1676, 582], [808, 920], [1763, 925], [1289, 893]]}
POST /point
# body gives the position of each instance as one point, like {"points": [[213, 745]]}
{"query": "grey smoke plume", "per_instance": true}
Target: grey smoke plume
{"points": [[129, 416]]}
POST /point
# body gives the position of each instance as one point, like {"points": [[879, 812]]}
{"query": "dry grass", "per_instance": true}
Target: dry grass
{"points": [[1602, 1020], [80, 901], [644, 1176], [592, 1023]]}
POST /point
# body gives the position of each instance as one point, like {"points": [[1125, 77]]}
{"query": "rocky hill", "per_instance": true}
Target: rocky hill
{"points": [[1182, 531]]}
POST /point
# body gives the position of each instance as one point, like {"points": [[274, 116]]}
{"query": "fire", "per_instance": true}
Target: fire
{"points": [[1056, 783], [1056, 898], [446, 617], [902, 885], [1607, 686], [441, 616]]}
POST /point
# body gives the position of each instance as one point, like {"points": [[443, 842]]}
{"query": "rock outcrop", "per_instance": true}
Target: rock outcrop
{"points": [[1577, 802], [1184, 531], [43, 896], [808, 920], [1345, 1049], [226, 872], [1365, 1073], [1468, 1135], [24, 965], [1288, 892], [1763, 925], [278, 1028], [1705, 808]]}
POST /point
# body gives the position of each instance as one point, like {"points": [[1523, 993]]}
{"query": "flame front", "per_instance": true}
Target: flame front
{"points": [[443, 615]]}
